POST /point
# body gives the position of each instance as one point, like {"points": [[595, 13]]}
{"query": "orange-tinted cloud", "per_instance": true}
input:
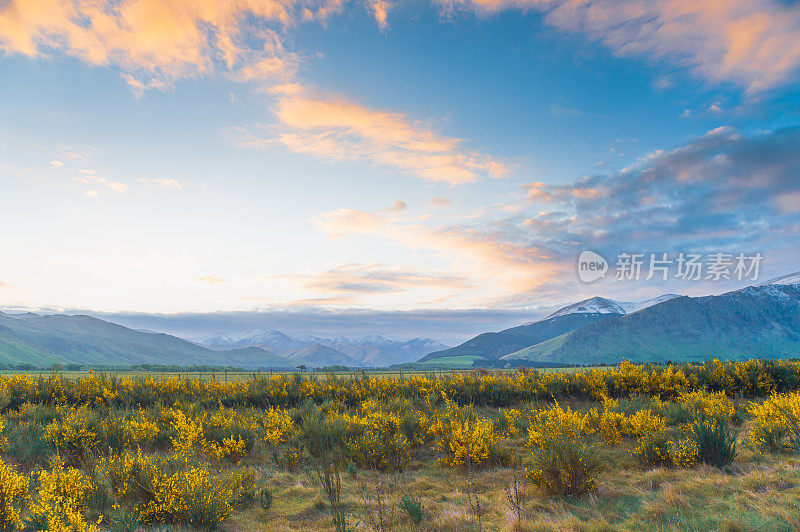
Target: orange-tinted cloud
{"points": [[210, 279], [98, 184], [398, 207], [172, 185], [501, 260], [339, 130], [349, 221], [155, 42], [380, 10], [754, 43]]}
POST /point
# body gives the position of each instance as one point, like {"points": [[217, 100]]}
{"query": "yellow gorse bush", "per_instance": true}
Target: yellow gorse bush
{"points": [[747, 378], [652, 445], [13, 494], [709, 406], [276, 426], [61, 500], [608, 424], [72, 434], [181, 464], [563, 455], [775, 424], [375, 439], [139, 429], [462, 435]]}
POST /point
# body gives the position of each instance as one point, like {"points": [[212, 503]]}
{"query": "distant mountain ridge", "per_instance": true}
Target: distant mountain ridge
{"points": [[372, 350], [601, 305], [757, 321], [493, 346], [60, 339]]}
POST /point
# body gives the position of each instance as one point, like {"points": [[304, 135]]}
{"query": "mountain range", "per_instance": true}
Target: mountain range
{"points": [[43, 340], [375, 351], [757, 321], [59, 339]]}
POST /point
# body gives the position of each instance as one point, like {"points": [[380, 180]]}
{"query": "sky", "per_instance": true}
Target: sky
{"points": [[450, 158]]}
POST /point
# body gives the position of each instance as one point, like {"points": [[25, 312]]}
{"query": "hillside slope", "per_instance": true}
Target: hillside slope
{"points": [[42, 340], [761, 321], [494, 345]]}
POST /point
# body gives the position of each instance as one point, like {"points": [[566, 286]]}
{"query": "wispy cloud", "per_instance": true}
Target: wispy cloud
{"points": [[398, 207], [498, 256], [349, 221], [172, 185], [98, 184], [373, 278], [380, 10], [339, 130], [753, 43], [721, 192], [439, 202], [210, 279]]}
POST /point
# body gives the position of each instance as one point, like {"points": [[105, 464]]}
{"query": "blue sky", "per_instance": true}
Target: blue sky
{"points": [[177, 157]]}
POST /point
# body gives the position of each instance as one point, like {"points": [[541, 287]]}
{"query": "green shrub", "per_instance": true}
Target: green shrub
{"points": [[715, 440], [27, 446], [265, 498], [413, 507], [325, 443]]}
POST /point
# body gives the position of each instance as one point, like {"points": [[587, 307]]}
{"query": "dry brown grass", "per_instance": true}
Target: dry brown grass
{"points": [[754, 494]]}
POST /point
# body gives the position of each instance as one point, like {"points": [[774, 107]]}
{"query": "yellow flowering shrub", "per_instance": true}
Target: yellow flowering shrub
{"points": [[652, 444], [134, 479], [195, 498], [13, 494], [462, 435], [685, 453], [275, 426], [606, 424], [3, 439], [708, 406], [139, 429], [188, 439], [375, 440], [564, 457], [192, 495], [509, 418], [61, 501], [73, 433], [775, 424]]}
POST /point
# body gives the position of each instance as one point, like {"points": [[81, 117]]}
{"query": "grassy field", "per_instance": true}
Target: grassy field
{"points": [[708, 447], [433, 370], [753, 493]]}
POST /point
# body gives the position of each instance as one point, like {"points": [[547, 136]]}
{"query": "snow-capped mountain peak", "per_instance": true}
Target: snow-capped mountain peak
{"points": [[601, 305], [372, 350]]}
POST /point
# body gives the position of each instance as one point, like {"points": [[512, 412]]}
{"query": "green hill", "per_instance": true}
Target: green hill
{"points": [[494, 345], [759, 321], [60, 339]]}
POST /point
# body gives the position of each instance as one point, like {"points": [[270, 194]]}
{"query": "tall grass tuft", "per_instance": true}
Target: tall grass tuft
{"points": [[413, 508], [715, 440], [325, 443]]}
